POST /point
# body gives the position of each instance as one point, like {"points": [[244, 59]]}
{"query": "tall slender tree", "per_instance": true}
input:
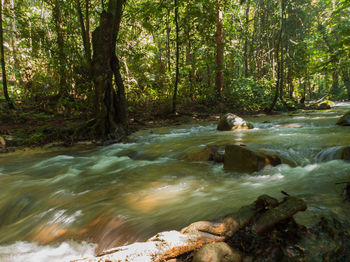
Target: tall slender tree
{"points": [[220, 44], [61, 55], [3, 64], [177, 55]]}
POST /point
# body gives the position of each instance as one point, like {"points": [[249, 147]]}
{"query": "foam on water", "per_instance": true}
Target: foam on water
{"points": [[32, 252]]}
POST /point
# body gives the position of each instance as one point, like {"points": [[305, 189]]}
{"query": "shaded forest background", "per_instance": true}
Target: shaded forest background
{"points": [[169, 56]]}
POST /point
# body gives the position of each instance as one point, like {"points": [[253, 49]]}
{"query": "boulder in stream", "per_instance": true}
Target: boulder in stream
{"points": [[344, 120], [209, 153], [231, 122], [243, 160]]}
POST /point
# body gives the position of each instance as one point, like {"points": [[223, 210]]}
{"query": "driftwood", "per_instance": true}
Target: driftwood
{"points": [[286, 210], [259, 217]]}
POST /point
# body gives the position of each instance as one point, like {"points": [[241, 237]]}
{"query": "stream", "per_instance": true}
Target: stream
{"points": [[58, 205]]}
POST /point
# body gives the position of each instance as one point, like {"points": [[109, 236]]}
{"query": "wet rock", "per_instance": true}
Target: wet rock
{"points": [[209, 153], [282, 212], [328, 240], [2, 143], [320, 105], [217, 252], [244, 160], [231, 122], [344, 120], [324, 106]]}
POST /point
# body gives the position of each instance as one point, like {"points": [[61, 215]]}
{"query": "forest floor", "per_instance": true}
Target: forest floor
{"points": [[32, 126], [29, 126]]}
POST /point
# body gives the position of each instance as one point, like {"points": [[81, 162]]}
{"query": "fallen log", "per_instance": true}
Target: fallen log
{"points": [[286, 210]]}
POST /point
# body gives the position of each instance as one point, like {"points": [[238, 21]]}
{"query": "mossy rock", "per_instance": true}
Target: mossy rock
{"points": [[324, 106], [243, 160], [344, 120], [231, 122]]}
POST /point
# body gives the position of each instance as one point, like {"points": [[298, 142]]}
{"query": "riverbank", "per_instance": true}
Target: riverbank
{"points": [[27, 128]]}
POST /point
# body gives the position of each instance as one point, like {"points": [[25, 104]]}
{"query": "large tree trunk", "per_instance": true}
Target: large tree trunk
{"points": [[3, 65], [110, 106], [220, 45]]}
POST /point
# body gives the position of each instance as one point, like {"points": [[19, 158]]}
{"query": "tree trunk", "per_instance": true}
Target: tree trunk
{"points": [[335, 82], [177, 56], [281, 60], [277, 88], [168, 40], [13, 44], [3, 65], [110, 106], [346, 80], [220, 42], [84, 26], [61, 56], [246, 40]]}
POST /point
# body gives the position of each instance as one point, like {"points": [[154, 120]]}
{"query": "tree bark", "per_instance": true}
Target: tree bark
{"points": [[220, 45], [110, 106], [177, 55], [3, 64]]}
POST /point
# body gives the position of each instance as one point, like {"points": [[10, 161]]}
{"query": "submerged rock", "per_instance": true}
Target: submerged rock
{"points": [[231, 122], [328, 240], [241, 159], [209, 153], [217, 252], [344, 120]]}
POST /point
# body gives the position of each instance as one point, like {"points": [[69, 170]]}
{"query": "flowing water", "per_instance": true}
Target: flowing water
{"points": [[61, 205]]}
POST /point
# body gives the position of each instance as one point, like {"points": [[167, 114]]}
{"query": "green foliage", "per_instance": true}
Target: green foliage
{"points": [[246, 94], [315, 41]]}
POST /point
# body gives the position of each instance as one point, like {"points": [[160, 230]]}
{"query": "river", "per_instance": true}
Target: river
{"points": [[58, 205]]}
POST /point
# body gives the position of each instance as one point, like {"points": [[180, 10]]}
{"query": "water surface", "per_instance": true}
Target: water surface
{"points": [[63, 204]]}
